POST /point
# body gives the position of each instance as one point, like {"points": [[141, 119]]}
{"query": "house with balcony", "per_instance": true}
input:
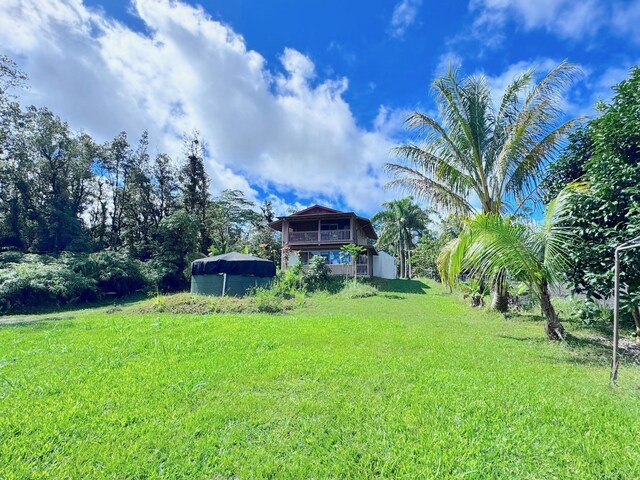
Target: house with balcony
{"points": [[319, 230]]}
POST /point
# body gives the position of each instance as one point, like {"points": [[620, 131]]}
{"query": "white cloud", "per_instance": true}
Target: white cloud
{"points": [[288, 132], [404, 15], [626, 19], [447, 60], [566, 18]]}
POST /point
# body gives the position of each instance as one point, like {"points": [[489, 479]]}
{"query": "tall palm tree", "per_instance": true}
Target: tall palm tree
{"points": [[494, 154], [401, 222], [535, 255]]}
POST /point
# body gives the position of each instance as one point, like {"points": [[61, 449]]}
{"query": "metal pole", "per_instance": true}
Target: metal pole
{"points": [[629, 245], [224, 283], [616, 310]]}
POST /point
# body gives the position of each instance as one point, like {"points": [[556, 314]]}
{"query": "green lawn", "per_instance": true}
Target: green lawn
{"points": [[402, 385]]}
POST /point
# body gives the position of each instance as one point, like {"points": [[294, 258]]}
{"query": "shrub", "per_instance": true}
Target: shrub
{"points": [[590, 313], [114, 272], [10, 256], [356, 289], [290, 281], [268, 300], [28, 281], [316, 275], [36, 284]]}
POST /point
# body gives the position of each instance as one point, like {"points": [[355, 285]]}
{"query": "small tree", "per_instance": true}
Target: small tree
{"points": [[535, 255], [353, 250]]}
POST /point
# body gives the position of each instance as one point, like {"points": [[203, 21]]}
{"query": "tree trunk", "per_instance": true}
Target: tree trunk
{"points": [[635, 312], [552, 326], [501, 292]]}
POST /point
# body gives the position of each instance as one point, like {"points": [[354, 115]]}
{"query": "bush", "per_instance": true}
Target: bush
{"points": [[290, 282], [316, 275], [114, 272], [356, 289], [590, 313], [37, 284], [268, 300], [30, 281]]}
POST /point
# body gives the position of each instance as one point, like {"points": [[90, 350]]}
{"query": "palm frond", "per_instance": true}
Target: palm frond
{"points": [[436, 192]]}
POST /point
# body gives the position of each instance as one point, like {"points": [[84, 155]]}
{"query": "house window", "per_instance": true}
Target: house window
{"points": [[331, 257]]}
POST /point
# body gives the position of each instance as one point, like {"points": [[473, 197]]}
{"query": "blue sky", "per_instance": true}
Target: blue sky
{"points": [[300, 101]]}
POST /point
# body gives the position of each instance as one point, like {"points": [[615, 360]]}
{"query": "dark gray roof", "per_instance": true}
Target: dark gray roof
{"points": [[233, 263]]}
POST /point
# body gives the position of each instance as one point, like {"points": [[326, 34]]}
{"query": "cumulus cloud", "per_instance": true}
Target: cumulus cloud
{"points": [[565, 18], [404, 15], [281, 130]]}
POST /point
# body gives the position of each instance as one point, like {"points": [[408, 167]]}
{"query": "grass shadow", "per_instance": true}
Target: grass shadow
{"points": [[55, 311], [393, 296], [590, 350], [401, 286], [30, 319]]}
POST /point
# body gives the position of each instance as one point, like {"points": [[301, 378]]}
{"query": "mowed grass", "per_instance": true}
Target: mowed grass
{"points": [[400, 385]]}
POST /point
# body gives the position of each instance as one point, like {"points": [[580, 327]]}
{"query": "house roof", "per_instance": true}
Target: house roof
{"points": [[317, 212]]}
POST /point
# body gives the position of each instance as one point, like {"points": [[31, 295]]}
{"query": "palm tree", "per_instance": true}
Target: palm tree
{"points": [[401, 222], [535, 255], [492, 153]]}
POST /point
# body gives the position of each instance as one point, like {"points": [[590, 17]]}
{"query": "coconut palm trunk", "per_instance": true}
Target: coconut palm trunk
{"points": [[552, 326], [500, 300]]}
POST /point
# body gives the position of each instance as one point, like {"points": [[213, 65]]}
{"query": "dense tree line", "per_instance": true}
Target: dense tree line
{"points": [[62, 191]]}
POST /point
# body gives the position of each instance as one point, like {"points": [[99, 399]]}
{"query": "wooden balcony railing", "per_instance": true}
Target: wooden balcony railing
{"points": [[316, 236], [335, 235], [302, 237]]}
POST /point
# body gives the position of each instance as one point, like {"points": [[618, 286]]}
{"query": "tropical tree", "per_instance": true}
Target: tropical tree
{"points": [[536, 255], [401, 222], [607, 155], [492, 153]]}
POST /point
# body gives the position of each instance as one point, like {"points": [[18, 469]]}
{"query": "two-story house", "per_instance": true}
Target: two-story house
{"points": [[322, 231]]}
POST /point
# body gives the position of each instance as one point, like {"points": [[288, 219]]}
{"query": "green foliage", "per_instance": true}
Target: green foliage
{"points": [[297, 279], [42, 281], [475, 289], [268, 300], [356, 289], [179, 242], [570, 167], [290, 281], [424, 256], [114, 272], [30, 282], [609, 212], [399, 224], [495, 245], [316, 274], [230, 217], [591, 313]]}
